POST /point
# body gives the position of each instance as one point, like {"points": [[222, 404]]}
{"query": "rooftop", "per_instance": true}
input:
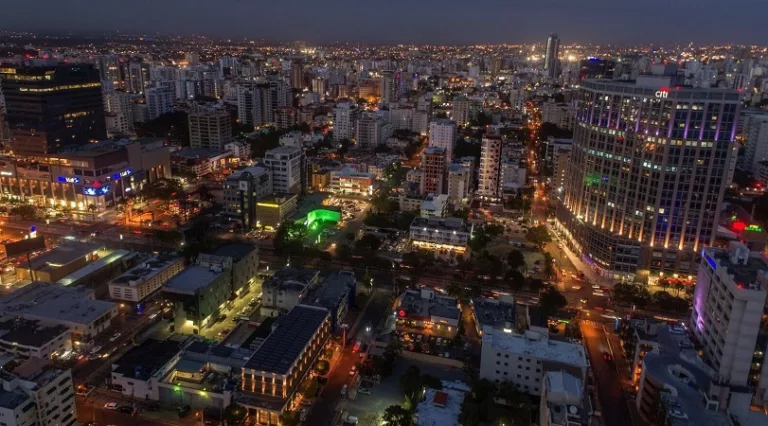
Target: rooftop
{"points": [[253, 170], [292, 277], [29, 332], [12, 399], [50, 301], [747, 270], [236, 251], [536, 345], [146, 270], [193, 153], [333, 290], [426, 303], [61, 255], [191, 279], [442, 407], [293, 332], [494, 313], [449, 224], [95, 266], [144, 360]]}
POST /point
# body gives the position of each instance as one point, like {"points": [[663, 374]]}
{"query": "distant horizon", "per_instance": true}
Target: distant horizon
{"points": [[448, 22]]}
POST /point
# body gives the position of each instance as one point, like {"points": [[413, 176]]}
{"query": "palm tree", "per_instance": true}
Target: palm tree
{"points": [[664, 283], [678, 286], [92, 208]]}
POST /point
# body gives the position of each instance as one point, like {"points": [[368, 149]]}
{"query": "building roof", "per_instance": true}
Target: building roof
{"points": [[494, 313], [252, 170], [192, 279], [536, 345], [333, 290], [61, 255], [12, 399], [194, 153], [441, 407], [294, 330], [426, 303], [236, 251], [95, 266], [146, 270], [142, 361], [291, 277], [564, 388], [746, 270], [50, 301], [29, 332]]}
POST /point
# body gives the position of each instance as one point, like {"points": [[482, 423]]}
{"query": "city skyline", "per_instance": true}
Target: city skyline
{"points": [[655, 21]]}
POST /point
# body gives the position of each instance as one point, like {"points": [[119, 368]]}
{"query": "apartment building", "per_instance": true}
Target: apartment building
{"points": [[137, 284]]}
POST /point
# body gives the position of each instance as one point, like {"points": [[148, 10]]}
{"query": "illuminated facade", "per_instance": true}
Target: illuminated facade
{"points": [[51, 108], [273, 210], [243, 189], [443, 236], [348, 181], [646, 174]]}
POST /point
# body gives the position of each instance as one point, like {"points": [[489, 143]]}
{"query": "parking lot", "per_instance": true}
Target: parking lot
{"points": [[432, 344]]}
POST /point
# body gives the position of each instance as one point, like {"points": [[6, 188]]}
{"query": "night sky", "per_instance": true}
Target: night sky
{"points": [[417, 21]]}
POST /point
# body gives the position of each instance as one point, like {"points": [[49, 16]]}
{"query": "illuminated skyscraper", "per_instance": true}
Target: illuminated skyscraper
{"points": [[551, 64], [647, 173], [51, 108]]}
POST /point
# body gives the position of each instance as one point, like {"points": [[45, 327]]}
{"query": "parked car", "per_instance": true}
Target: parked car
{"points": [[344, 390], [111, 406], [364, 391]]}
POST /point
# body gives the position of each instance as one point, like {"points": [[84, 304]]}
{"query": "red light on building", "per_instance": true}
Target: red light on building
{"points": [[738, 226], [401, 313]]}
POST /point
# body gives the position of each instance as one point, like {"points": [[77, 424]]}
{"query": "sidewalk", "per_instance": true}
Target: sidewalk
{"points": [[579, 264]]}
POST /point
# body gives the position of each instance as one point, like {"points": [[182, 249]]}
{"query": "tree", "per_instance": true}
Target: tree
{"points": [[551, 301], [664, 283], [538, 235], [678, 286], [396, 415], [454, 289], [234, 414], [549, 265], [518, 401], [290, 418], [516, 260], [26, 211], [411, 385], [92, 209], [310, 389]]}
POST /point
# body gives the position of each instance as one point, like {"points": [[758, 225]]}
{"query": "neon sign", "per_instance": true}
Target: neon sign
{"points": [[662, 93], [65, 179], [754, 228], [124, 173], [96, 191]]}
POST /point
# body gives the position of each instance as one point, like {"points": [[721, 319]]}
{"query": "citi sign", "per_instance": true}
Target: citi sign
{"points": [[662, 93]]}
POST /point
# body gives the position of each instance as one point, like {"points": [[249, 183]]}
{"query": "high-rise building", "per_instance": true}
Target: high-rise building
{"points": [[551, 61], [388, 87], [210, 128], [423, 115], [372, 131], [297, 74], [460, 112], [285, 163], [257, 102], [755, 138], [118, 111], [489, 185], [248, 103], [442, 133], [52, 108], [160, 100], [647, 173], [286, 117], [434, 167], [727, 312], [344, 121]]}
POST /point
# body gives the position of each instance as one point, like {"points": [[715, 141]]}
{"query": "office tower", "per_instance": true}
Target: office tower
{"points": [[297, 74], [344, 121], [433, 163], [160, 100], [728, 305], [52, 108], [489, 185], [372, 131], [388, 87], [551, 61], [647, 173], [210, 128], [285, 163], [754, 136], [460, 112], [442, 133]]}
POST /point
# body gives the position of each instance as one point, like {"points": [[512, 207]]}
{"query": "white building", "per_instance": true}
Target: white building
{"points": [[285, 162], [118, 107], [440, 235], [489, 185], [755, 139], [553, 145], [524, 359], [347, 180], [512, 175], [32, 339], [727, 310], [442, 133], [210, 128], [36, 393], [144, 280], [239, 149], [434, 206], [160, 100], [401, 117], [344, 121], [371, 131], [561, 114], [459, 183], [562, 401]]}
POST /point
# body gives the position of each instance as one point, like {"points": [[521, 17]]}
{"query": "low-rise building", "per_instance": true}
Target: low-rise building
{"points": [[272, 210], [563, 402], [428, 312], [337, 294], [73, 307], [349, 181], [239, 149], [444, 236], [36, 393], [240, 260], [202, 161], [270, 378], [197, 294], [144, 280], [58, 262], [434, 206], [524, 359], [26, 339], [410, 202], [243, 189], [286, 289]]}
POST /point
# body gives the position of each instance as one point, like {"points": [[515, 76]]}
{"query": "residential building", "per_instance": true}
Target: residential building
{"points": [[272, 375], [524, 359], [388, 87], [459, 183], [563, 402], [551, 60], [50, 109], [754, 135], [728, 302], [553, 145], [429, 312], [559, 113], [210, 128], [197, 294], [344, 121], [442, 133], [239, 260], [286, 289], [489, 186], [242, 190], [25, 339], [273, 210], [560, 171], [433, 166], [286, 117], [286, 163], [401, 117], [336, 294], [460, 111], [410, 202], [372, 131], [434, 206], [450, 236], [240, 149], [617, 207], [159, 100], [145, 280], [512, 175], [37, 393], [72, 307], [118, 110]]}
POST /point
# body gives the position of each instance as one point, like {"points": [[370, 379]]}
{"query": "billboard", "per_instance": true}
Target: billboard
{"points": [[24, 246]]}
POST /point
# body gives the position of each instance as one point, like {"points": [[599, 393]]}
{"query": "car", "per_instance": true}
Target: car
{"points": [[608, 357], [584, 300], [353, 370], [95, 349], [111, 406], [595, 287], [364, 391], [559, 245], [344, 390], [126, 409], [115, 337], [153, 316]]}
